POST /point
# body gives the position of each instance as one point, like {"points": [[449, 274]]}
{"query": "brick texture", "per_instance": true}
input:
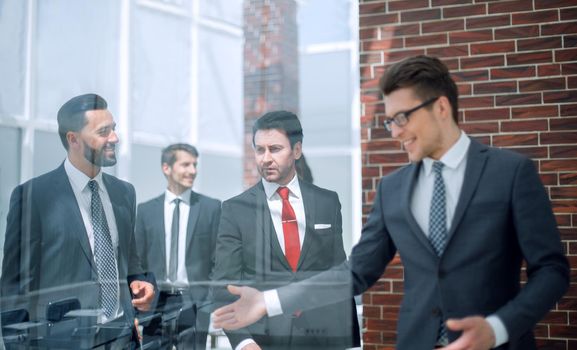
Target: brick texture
{"points": [[270, 66], [515, 62]]}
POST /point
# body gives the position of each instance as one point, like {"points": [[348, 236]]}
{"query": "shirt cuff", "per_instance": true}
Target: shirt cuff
{"points": [[499, 330], [244, 343], [272, 303]]}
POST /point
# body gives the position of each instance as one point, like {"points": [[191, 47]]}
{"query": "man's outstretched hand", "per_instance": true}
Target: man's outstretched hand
{"points": [[248, 309]]}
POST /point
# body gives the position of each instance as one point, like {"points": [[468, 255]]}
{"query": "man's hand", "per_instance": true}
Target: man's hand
{"points": [[248, 309], [143, 294], [477, 334], [251, 346]]}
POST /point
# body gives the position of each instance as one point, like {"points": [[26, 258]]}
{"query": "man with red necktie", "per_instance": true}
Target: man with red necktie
{"points": [[282, 230]]}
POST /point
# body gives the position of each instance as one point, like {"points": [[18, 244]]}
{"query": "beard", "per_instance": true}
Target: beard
{"points": [[97, 156]]}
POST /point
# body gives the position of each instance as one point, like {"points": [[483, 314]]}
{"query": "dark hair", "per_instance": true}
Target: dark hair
{"points": [[169, 153], [284, 121], [303, 170], [427, 76], [72, 117]]}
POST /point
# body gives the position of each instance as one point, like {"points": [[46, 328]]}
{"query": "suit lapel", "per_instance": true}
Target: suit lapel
{"points": [[407, 188], [476, 159], [309, 203], [120, 210], [70, 206]]}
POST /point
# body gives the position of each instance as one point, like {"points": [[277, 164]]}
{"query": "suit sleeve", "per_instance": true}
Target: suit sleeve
{"points": [[215, 221], [540, 244], [21, 251], [228, 265], [11, 265], [140, 237], [339, 249], [365, 266], [135, 270]]}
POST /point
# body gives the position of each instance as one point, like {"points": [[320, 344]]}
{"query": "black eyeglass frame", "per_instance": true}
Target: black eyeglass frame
{"points": [[402, 118]]}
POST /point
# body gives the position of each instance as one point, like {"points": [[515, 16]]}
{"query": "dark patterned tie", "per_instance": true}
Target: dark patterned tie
{"points": [[438, 214], [104, 254], [174, 229], [438, 227], [290, 229]]}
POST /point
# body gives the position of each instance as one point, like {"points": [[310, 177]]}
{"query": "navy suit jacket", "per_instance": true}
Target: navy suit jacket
{"points": [[503, 218], [47, 255], [248, 253], [201, 231]]}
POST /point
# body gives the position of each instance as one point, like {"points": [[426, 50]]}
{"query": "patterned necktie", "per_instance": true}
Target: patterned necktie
{"points": [[290, 230], [173, 266], [438, 214], [438, 228], [104, 255]]}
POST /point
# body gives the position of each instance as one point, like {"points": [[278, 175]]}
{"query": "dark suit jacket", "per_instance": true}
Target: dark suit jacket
{"points": [[503, 217], [47, 255], [202, 228], [248, 252]]}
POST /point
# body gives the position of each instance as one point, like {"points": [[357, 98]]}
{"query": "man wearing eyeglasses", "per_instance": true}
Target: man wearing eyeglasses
{"points": [[464, 217]]}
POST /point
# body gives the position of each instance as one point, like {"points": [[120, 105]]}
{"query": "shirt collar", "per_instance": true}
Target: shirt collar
{"points": [[78, 179], [184, 196], [270, 188], [453, 157]]}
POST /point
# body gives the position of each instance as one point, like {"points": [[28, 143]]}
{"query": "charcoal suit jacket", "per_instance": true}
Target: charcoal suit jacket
{"points": [[503, 218], [47, 255], [248, 252]]}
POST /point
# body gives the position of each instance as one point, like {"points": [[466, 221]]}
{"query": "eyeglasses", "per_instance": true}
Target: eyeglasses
{"points": [[402, 118]]}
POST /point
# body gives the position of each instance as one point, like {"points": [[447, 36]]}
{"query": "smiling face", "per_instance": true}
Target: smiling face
{"points": [[93, 146], [275, 158], [99, 138], [181, 174], [424, 134]]}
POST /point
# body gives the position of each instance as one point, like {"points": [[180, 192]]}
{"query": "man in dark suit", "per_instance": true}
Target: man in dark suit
{"points": [[182, 266], [284, 229], [464, 217], [70, 232]]}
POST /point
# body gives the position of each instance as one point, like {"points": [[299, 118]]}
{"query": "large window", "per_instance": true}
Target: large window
{"points": [[171, 71], [329, 108]]}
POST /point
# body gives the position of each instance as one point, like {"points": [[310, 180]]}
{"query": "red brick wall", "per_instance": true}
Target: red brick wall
{"points": [[516, 67], [270, 66]]}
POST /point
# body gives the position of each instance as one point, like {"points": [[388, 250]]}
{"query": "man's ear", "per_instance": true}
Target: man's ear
{"points": [[444, 108], [166, 169], [72, 139], [298, 150]]}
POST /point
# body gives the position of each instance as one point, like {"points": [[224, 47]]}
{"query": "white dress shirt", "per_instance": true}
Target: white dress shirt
{"points": [[184, 210], [79, 182], [275, 207], [455, 160]]}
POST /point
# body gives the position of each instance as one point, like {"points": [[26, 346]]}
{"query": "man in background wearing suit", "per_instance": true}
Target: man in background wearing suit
{"points": [[70, 232], [284, 229], [464, 218], [176, 239]]}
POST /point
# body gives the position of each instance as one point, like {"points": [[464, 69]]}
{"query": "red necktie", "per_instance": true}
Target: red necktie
{"points": [[290, 229]]}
